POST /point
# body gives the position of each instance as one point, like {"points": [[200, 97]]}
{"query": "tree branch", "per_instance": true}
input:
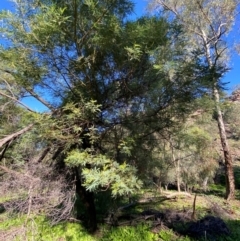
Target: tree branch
{"points": [[18, 101], [14, 135], [49, 106]]}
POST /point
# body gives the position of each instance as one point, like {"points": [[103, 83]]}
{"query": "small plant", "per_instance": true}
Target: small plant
{"points": [[141, 232], [38, 228]]}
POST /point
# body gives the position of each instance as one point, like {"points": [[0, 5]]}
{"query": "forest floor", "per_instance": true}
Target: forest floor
{"points": [[208, 218], [150, 216]]}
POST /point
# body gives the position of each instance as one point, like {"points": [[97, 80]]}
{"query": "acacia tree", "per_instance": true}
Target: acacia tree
{"points": [[205, 26], [89, 69], [96, 74]]}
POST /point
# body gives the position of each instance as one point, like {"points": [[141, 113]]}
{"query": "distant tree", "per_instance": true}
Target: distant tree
{"points": [[231, 114], [205, 25]]}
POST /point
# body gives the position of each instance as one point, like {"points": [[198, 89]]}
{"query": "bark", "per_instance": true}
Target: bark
{"points": [[44, 102], [208, 33], [18, 101], [8, 139], [4, 150], [88, 202], [229, 174], [205, 183], [160, 187], [194, 208], [41, 156], [177, 167], [178, 176]]}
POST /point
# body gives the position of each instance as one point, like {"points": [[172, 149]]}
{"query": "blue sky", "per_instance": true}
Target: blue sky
{"points": [[233, 76], [4, 4]]}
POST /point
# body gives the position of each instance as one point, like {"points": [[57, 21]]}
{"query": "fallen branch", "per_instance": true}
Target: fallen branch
{"points": [[173, 195], [127, 206]]}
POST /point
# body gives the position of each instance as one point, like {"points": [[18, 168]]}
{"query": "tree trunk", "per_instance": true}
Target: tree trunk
{"points": [[230, 186], [205, 183], [178, 176], [177, 167], [88, 202], [160, 187], [229, 175]]}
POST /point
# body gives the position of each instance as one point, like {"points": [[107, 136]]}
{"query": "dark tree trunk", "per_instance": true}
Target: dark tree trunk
{"points": [[87, 199]]}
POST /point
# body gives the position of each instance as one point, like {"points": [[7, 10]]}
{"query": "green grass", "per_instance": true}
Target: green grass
{"points": [[37, 228], [140, 232]]}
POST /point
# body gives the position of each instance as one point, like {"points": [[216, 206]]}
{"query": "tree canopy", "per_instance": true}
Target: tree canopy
{"points": [[113, 89]]}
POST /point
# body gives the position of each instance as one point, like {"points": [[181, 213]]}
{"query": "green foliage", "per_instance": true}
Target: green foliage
{"points": [[198, 137], [168, 234], [68, 231], [140, 232], [68, 126], [10, 220], [126, 146], [233, 225], [135, 52], [104, 173], [232, 117], [46, 26], [237, 176], [38, 228], [114, 89]]}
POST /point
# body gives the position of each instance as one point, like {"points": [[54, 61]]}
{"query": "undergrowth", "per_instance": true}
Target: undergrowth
{"points": [[15, 227], [39, 229]]}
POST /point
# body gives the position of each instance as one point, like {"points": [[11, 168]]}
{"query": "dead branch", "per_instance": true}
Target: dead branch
{"points": [[47, 191], [18, 101], [13, 136], [18, 174], [42, 155], [170, 196]]}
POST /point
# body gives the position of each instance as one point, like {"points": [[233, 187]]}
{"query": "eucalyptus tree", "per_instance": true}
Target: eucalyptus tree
{"points": [[205, 26]]}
